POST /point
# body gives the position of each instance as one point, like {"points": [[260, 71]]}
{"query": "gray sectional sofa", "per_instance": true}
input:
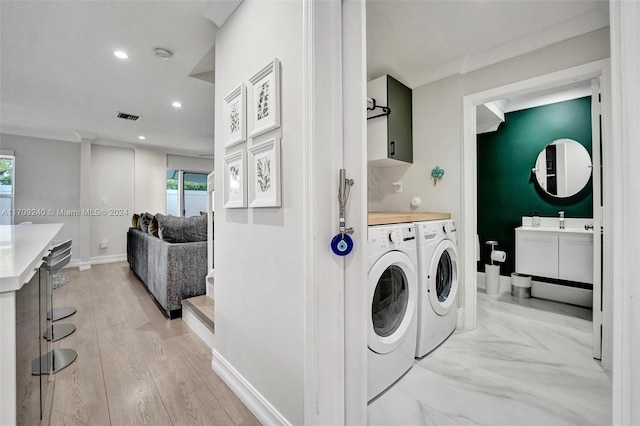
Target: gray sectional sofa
{"points": [[171, 271]]}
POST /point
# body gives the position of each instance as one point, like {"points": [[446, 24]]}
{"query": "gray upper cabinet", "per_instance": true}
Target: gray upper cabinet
{"points": [[390, 137]]}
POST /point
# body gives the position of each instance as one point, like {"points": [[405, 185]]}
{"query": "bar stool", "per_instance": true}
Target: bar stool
{"points": [[56, 314], [54, 360], [58, 331]]}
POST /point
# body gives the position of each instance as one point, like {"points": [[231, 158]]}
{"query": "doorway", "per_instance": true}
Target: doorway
{"points": [[470, 229]]}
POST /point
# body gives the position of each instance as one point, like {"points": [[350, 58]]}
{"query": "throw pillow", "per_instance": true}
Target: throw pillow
{"points": [[134, 220], [182, 229], [144, 221], [153, 227]]}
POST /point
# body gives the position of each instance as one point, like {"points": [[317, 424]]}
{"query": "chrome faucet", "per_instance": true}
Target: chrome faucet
{"points": [[561, 213]]}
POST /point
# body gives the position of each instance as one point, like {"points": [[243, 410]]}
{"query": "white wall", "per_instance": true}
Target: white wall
{"points": [[112, 181], [433, 145], [437, 118], [259, 261], [47, 176], [150, 176], [189, 164]]}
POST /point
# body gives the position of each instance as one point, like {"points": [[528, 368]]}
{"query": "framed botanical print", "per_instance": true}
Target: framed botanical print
{"points": [[264, 108], [235, 126], [235, 180], [264, 175]]}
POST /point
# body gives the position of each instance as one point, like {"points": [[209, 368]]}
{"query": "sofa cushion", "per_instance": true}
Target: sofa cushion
{"points": [[145, 220], [182, 229], [153, 227], [135, 220]]}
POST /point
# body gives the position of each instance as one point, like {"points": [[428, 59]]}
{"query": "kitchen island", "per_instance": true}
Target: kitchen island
{"points": [[22, 248]]}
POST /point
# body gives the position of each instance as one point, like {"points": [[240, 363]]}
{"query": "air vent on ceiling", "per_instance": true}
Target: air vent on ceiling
{"points": [[126, 116]]}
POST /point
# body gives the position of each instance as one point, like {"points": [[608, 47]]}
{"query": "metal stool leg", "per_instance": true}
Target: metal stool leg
{"points": [[56, 314], [56, 332]]}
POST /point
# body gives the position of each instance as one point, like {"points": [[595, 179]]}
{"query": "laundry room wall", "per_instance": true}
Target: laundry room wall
{"points": [[506, 189], [438, 123], [432, 146], [259, 260]]}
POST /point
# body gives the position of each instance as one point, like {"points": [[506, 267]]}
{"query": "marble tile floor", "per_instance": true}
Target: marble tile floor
{"points": [[528, 362]]}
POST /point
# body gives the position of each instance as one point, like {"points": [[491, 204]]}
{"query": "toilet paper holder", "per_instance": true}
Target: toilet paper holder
{"points": [[496, 255]]}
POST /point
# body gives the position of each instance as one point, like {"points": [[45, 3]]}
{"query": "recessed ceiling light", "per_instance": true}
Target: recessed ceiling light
{"points": [[176, 104], [141, 137], [120, 54]]}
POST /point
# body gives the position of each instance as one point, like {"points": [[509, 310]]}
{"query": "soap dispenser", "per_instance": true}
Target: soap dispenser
{"points": [[561, 213], [535, 222]]}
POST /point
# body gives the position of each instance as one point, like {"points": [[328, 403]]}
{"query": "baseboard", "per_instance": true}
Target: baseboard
{"points": [[460, 319], [561, 293], [98, 260], [73, 263], [113, 258], [542, 290], [505, 283], [255, 402]]}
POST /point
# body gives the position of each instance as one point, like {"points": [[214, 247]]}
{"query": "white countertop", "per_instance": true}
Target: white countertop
{"points": [[22, 247], [555, 230], [572, 225]]}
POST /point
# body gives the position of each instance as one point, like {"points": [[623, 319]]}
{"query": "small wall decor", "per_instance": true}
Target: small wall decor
{"points": [[264, 176], [265, 99], [235, 127], [436, 175], [235, 180]]}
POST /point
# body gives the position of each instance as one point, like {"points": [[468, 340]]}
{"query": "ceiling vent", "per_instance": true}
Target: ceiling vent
{"points": [[129, 117]]}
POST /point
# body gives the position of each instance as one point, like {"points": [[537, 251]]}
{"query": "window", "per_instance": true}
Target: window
{"points": [[7, 175], [186, 193]]}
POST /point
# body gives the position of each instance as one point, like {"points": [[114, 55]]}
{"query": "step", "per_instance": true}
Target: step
{"points": [[198, 314]]}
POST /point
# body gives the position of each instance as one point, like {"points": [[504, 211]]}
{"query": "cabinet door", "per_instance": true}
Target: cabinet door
{"points": [[399, 122], [576, 258], [537, 254]]}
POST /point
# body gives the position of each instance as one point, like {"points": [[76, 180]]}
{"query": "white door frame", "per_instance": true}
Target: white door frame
{"points": [[354, 105], [322, 157], [334, 123], [625, 154], [469, 160]]}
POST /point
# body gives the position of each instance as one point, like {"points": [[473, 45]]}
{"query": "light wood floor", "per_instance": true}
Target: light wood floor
{"points": [[134, 366]]}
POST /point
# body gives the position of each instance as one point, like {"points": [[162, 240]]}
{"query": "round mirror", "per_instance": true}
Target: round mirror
{"points": [[563, 168]]}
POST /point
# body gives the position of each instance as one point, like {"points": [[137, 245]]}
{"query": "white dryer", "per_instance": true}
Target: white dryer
{"points": [[438, 282], [392, 295]]}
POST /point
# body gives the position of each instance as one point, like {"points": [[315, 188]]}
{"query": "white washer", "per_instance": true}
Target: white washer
{"points": [[438, 282], [392, 296]]}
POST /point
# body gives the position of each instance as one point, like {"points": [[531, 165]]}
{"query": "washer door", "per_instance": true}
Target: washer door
{"points": [[393, 289], [442, 280]]}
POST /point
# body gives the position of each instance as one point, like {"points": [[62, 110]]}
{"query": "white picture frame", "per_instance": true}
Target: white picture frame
{"points": [[265, 99], [264, 174], [235, 180], [234, 113]]}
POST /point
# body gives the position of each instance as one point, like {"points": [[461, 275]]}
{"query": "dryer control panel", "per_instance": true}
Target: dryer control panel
{"points": [[392, 237]]}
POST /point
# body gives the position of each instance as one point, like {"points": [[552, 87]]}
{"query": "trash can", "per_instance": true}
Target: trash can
{"points": [[520, 285]]}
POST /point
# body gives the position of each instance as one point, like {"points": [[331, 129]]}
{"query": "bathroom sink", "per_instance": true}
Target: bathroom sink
{"points": [[557, 229], [552, 224]]}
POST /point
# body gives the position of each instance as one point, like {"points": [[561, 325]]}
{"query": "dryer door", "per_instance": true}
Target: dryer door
{"points": [[393, 290], [442, 280]]}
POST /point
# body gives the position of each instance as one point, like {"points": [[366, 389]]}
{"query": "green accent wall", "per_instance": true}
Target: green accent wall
{"points": [[506, 188]]}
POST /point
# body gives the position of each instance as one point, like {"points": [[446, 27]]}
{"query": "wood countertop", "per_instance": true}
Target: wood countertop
{"points": [[384, 218]]}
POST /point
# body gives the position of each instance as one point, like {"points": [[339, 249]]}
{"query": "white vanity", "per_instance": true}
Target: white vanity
{"points": [[550, 252]]}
